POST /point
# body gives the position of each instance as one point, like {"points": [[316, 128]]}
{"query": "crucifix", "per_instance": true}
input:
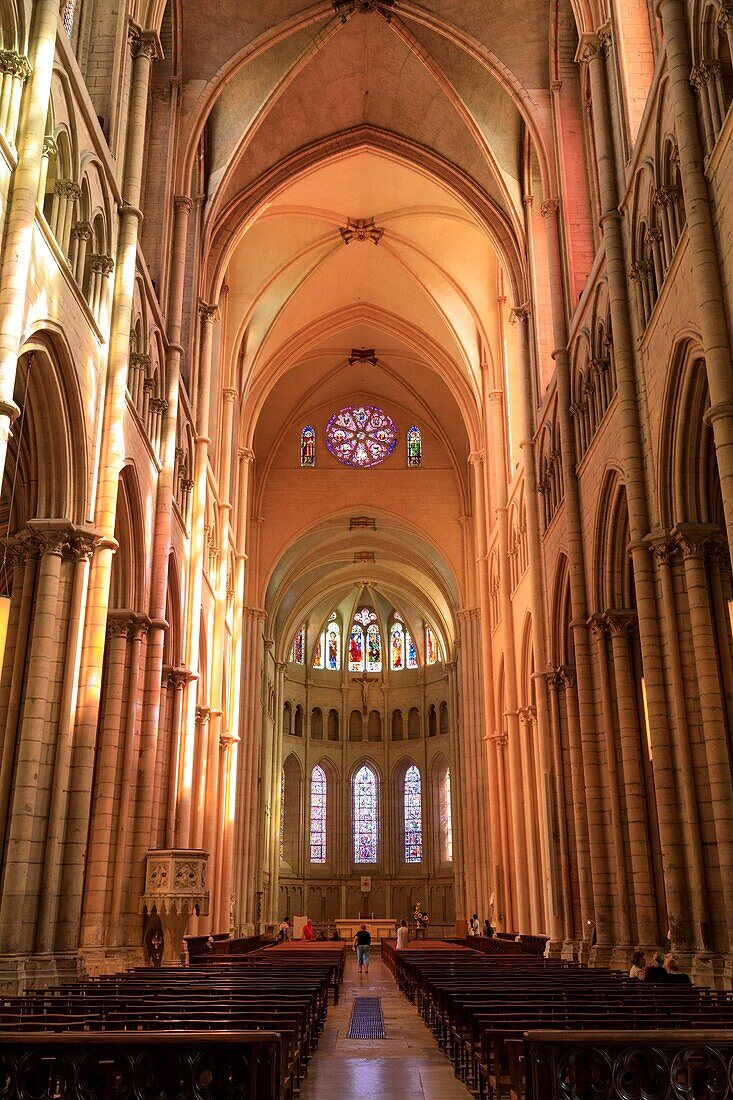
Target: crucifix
{"points": [[365, 681]]}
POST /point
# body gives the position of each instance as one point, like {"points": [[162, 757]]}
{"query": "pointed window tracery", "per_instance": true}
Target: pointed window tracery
{"points": [[366, 815], [319, 793], [297, 650], [413, 815], [373, 648]]}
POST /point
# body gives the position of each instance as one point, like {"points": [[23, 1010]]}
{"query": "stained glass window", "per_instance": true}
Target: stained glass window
{"points": [[397, 647], [356, 649], [282, 814], [413, 815], [411, 652], [361, 435], [68, 12], [414, 447], [318, 815], [431, 647], [366, 815], [297, 650], [373, 649], [319, 651], [446, 819], [308, 446], [333, 647]]}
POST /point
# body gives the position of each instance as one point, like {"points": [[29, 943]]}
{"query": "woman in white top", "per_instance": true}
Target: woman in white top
{"points": [[638, 966], [403, 936]]}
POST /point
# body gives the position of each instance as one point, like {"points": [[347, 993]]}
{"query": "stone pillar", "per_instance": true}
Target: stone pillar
{"points": [[557, 827], [208, 315], [592, 51], [694, 541], [35, 748], [111, 459], [15, 69], [568, 682], [620, 627], [21, 212], [594, 793]]}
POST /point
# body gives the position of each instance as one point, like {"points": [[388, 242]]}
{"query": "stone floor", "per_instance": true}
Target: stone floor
{"points": [[407, 1065]]}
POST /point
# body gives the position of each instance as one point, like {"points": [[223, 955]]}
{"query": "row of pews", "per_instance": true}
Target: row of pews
{"points": [[243, 1030], [528, 1028]]}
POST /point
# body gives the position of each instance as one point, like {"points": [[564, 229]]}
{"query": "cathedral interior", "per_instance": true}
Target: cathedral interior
{"points": [[366, 428]]}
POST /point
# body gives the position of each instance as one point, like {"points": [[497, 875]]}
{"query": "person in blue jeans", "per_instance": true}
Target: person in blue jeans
{"points": [[362, 943]]}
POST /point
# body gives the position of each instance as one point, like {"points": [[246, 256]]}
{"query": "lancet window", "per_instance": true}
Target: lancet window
{"points": [[308, 446], [446, 819], [431, 646], [319, 794], [413, 815], [414, 447], [297, 650], [366, 815]]}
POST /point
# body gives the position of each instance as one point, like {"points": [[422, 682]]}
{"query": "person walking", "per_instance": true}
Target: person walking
{"points": [[403, 936], [362, 943]]}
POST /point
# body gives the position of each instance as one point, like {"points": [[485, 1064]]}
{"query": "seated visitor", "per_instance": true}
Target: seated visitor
{"points": [[335, 935], [674, 974], [656, 972], [638, 965], [488, 929]]}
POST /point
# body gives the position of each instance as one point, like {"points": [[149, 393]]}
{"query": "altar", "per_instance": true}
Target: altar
{"points": [[381, 928]]}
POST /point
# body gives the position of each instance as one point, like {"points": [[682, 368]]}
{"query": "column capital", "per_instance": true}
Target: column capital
{"points": [[17, 64], [519, 315], [82, 231], [621, 622], [549, 208], [183, 203], [527, 715], [725, 16], [208, 313], [230, 394], [696, 539], [589, 49], [475, 458], [661, 547], [203, 714], [245, 454]]}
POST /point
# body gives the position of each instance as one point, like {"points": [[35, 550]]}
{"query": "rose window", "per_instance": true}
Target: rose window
{"points": [[361, 435]]}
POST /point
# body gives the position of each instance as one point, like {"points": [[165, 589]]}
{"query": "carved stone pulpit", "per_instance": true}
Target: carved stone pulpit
{"points": [[175, 888]]}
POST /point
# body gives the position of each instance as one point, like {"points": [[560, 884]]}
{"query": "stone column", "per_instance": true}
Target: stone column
{"points": [[583, 846], [620, 627], [684, 869], [208, 315], [520, 316], [111, 459], [694, 541], [31, 794], [620, 927], [558, 826], [704, 258], [594, 794], [177, 678], [15, 69], [592, 51], [21, 211], [120, 628], [79, 549]]}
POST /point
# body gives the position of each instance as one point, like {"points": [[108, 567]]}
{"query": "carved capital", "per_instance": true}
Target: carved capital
{"points": [[662, 548], [696, 539], [621, 622], [203, 714], [246, 454], [527, 715], [82, 231], [138, 361], [519, 315], [102, 265], [183, 203], [589, 49], [549, 208], [725, 16], [475, 458], [146, 44], [16, 64], [208, 313]]}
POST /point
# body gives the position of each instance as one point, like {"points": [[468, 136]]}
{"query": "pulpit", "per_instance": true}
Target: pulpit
{"points": [[175, 889]]}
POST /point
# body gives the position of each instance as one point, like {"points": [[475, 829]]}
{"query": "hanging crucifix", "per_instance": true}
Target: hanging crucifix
{"points": [[365, 681]]}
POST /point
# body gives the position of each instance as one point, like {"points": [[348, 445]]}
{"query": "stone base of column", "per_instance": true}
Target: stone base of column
{"points": [[710, 969], [583, 952], [94, 961], [570, 951], [605, 955], [21, 972], [554, 949]]}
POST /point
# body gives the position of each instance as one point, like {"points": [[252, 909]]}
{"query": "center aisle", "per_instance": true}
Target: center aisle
{"points": [[407, 1065]]}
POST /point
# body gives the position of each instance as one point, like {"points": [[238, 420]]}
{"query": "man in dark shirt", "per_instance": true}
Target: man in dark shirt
{"points": [[656, 972], [362, 942]]}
